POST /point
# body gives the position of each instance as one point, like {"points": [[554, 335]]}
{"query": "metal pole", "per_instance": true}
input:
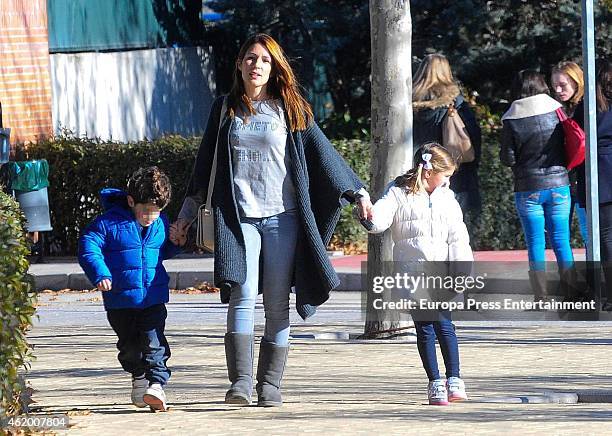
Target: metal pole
{"points": [[590, 128]]}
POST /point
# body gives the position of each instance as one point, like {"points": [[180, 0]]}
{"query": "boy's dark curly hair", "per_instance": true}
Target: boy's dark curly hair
{"points": [[150, 185]]}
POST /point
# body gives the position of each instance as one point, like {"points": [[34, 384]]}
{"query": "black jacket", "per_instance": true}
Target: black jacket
{"points": [[427, 127], [323, 184], [532, 143], [604, 157]]}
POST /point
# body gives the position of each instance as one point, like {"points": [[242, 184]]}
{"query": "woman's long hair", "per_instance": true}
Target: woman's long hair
{"points": [[433, 80], [441, 160], [604, 87], [528, 83], [574, 72], [282, 85]]}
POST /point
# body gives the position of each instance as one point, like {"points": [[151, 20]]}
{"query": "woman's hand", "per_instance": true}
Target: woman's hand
{"points": [[174, 235], [178, 232]]}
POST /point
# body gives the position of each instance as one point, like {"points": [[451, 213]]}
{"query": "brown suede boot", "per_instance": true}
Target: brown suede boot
{"points": [[568, 285], [537, 280], [607, 292]]}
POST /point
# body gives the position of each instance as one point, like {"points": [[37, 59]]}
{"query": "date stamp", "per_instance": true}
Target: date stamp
{"points": [[36, 422]]}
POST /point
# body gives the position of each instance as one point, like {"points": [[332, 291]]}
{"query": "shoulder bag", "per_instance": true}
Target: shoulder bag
{"points": [[575, 140], [205, 233], [455, 137]]}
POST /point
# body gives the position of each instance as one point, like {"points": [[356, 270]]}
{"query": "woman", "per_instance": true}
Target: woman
{"points": [[434, 91], [604, 168], [568, 85], [277, 196], [532, 144]]}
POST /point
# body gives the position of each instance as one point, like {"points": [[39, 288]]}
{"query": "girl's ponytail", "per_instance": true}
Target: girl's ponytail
{"points": [[437, 158]]}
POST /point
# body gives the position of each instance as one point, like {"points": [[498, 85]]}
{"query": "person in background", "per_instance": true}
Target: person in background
{"points": [[434, 90], [532, 144], [567, 83], [604, 168]]}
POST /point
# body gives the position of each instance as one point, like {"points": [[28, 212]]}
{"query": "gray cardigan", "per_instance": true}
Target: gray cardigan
{"points": [[323, 184]]}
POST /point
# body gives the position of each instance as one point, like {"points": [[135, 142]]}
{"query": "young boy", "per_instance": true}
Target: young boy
{"points": [[121, 252]]}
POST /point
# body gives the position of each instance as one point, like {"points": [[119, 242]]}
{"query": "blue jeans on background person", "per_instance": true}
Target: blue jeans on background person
{"points": [[582, 220], [548, 210], [142, 345], [274, 239], [444, 330]]}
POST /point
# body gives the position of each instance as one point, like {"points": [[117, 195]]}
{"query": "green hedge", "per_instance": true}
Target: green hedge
{"points": [[349, 233], [79, 168], [17, 301], [499, 227]]}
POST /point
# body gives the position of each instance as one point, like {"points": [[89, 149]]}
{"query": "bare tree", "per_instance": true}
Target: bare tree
{"points": [[391, 28]]}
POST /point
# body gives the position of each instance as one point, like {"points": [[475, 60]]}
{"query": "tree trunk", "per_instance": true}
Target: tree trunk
{"points": [[391, 28]]}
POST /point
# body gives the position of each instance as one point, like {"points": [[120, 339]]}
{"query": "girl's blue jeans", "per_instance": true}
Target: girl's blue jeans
{"points": [[270, 244], [546, 210], [444, 330]]}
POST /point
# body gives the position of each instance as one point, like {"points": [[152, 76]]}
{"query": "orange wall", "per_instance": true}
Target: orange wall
{"points": [[25, 86]]}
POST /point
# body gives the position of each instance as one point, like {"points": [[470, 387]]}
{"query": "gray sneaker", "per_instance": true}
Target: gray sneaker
{"points": [[139, 387]]}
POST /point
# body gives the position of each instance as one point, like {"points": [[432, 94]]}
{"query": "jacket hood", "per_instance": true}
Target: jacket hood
{"points": [[531, 106], [111, 197], [442, 101]]}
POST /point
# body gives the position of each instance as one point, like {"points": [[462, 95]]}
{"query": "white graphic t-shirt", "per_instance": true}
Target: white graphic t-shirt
{"points": [[262, 183]]}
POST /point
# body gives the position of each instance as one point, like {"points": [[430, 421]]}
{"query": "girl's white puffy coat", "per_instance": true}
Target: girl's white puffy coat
{"points": [[424, 227]]}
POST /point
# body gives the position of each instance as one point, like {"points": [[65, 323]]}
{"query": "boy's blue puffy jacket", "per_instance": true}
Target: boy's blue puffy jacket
{"points": [[112, 247]]}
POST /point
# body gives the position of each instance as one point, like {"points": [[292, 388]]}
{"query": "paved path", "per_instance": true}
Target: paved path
{"points": [[331, 386]]}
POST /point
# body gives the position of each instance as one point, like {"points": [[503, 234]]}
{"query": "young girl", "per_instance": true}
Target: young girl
{"points": [[427, 225]]}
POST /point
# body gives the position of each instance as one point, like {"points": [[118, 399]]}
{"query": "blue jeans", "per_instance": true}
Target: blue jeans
{"points": [[271, 243], [582, 219], [143, 348], [444, 331], [548, 210]]}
